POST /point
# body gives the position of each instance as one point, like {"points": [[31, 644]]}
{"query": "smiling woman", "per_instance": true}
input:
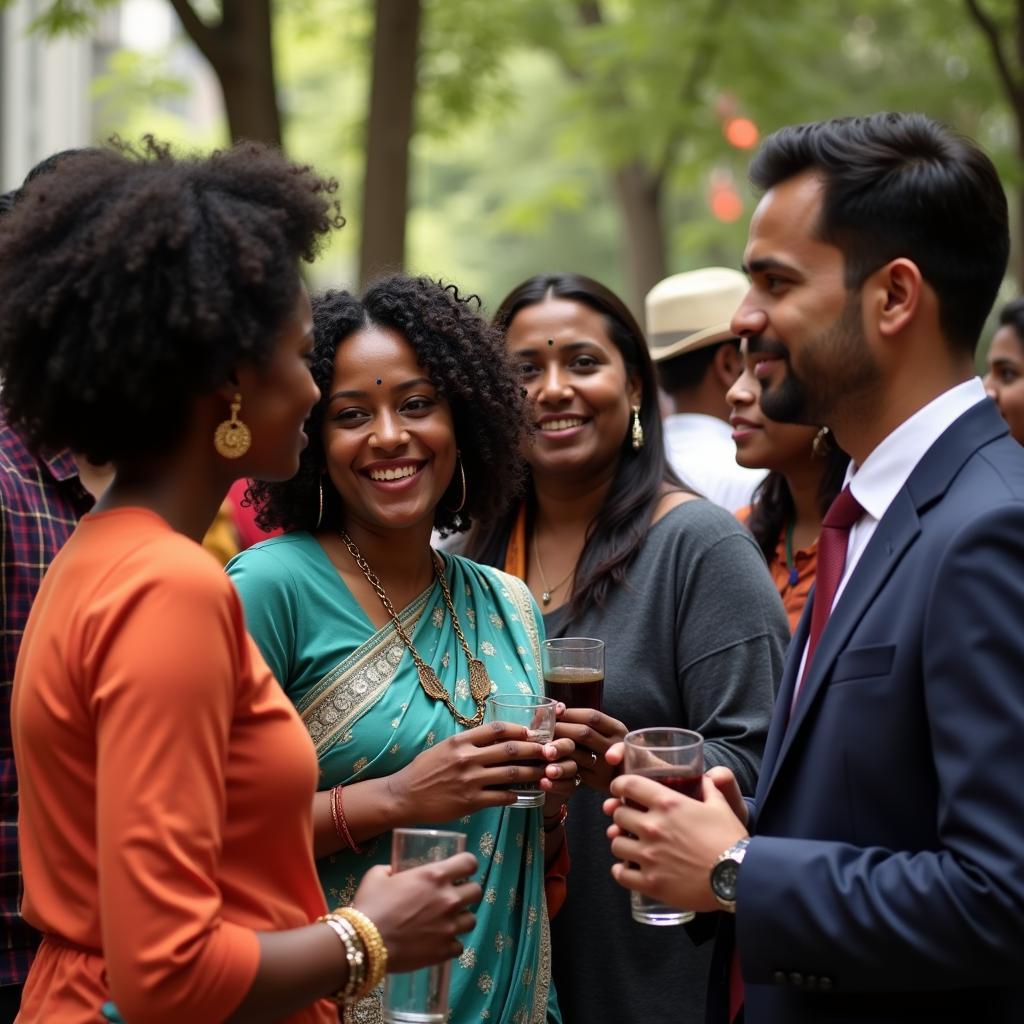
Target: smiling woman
{"points": [[388, 650]]}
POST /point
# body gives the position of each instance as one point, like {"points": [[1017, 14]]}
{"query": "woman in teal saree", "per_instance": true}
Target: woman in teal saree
{"points": [[398, 421]]}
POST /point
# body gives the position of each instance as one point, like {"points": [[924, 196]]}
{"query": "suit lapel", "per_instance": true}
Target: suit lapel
{"points": [[895, 533]]}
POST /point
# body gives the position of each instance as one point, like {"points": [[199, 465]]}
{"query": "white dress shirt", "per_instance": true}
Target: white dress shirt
{"points": [[702, 452], [883, 473]]}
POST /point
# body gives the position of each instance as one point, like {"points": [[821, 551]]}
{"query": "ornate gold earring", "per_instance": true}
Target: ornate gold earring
{"points": [[232, 438], [320, 513], [822, 443], [638, 430], [462, 474]]}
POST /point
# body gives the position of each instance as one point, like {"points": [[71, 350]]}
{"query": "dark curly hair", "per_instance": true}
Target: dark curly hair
{"points": [[132, 282], [467, 362]]}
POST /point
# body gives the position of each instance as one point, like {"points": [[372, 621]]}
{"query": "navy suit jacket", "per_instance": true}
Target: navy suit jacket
{"points": [[885, 878]]}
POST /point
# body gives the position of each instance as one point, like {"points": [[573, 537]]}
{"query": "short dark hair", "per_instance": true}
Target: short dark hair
{"points": [[1012, 315], [132, 282], [621, 525], [904, 185], [685, 372], [467, 362], [7, 201]]}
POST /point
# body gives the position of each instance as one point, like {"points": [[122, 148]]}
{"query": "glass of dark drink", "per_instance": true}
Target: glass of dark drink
{"points": [[675, 758], [574, 671], [538, 715]]}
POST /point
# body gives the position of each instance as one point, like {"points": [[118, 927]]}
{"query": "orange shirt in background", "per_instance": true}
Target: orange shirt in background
{"points": [[792, 582], [166, 784]]}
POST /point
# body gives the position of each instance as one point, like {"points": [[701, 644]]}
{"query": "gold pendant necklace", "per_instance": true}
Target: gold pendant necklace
{"points": [[546, 591], [479, 681]]}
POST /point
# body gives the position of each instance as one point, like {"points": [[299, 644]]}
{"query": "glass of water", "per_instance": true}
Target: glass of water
{"points": [[420, 997]]}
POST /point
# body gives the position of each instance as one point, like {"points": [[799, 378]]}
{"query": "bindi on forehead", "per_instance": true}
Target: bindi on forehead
{"points": [[379, 381], [551, 342]]}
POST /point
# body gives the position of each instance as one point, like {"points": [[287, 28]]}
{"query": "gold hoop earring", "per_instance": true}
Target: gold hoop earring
{"points": [[638, 430], [822, 443], [462, 474], [320, 512], [232, 438]]}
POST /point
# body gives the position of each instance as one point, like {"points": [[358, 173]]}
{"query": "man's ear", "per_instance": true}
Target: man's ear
{"points": [[727, 364], [893, 295]]}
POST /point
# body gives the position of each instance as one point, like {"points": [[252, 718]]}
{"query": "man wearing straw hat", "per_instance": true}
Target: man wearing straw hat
{"points": [[698, 360]]}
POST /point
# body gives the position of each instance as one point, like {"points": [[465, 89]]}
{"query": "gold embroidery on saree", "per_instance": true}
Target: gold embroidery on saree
{"points": [[350, 689]]}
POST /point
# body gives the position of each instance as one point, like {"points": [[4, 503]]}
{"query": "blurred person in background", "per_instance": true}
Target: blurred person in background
{"points": [[147, 305], [806, 471], [613, 546], [1004, 378], [388, 649], [697, 358]]}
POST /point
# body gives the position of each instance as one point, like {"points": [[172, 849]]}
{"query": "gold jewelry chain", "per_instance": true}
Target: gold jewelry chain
{"points": [[479, 681], [547, 592]]}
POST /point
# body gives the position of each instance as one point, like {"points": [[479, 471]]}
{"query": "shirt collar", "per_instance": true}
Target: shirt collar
{"points": [[883, 473], [61, 465]]}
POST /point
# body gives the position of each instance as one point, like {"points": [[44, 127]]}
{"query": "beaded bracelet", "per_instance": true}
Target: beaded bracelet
{"points": [[340, 824], [563, 813], [376, 951], [355, 955]]}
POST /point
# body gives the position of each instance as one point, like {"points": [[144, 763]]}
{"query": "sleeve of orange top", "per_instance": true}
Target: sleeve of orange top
{"points": [[164, 657]]}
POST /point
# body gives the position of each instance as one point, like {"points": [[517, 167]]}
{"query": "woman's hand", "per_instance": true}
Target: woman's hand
{"points": [[419, 912], [561, 774], [593, 733], [459, 776]]}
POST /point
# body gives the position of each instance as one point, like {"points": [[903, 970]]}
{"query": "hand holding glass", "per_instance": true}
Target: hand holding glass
{"points": [[420, 997], [538, 715], [675, 758]]}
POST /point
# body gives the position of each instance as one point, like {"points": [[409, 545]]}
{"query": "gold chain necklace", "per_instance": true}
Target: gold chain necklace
{"points": [[546, 592], [479, 681]]}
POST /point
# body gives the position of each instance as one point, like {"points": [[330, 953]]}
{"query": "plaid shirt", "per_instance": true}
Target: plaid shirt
{"points": [[41, 500]]}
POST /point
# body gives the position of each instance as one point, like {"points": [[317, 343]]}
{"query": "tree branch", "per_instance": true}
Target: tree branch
{"points": [[206, 37], [991, 33], [703, 59]]}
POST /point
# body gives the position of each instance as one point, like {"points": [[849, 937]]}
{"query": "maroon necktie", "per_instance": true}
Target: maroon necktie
{"points": [[835, 535]]}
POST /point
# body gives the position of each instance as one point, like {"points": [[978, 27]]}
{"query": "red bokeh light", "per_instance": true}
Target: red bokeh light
{"points": [[725, 203]]}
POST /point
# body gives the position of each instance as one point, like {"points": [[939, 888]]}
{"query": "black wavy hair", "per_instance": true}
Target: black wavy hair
{"points": [[1012, 315], [618, 532], [132, 282], [904, 185], [772, 508], [467, 362]]}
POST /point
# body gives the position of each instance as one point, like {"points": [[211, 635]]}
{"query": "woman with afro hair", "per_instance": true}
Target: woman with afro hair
{"points": [[388, 649], [152, 316]]}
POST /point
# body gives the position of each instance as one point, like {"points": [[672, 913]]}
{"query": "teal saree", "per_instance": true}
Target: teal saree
{"points": [[357, 690]]}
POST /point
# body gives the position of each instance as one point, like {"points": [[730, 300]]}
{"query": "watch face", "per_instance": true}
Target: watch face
{"points": [[726, 874]]}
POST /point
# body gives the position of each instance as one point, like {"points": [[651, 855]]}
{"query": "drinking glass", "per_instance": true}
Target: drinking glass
{"points": [[538, 715], [675, 758], [420, 997], [574, 671]]}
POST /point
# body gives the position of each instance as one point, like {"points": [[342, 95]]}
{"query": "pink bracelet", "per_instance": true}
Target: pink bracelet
{"points": [[340, 824]]}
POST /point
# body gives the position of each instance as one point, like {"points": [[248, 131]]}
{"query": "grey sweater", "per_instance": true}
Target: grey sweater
{"points": [[695, 638]]}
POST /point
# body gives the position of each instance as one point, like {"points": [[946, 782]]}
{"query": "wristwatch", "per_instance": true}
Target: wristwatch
{"points": [[725, 875]]}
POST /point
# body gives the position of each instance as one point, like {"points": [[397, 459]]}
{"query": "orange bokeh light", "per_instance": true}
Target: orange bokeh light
{"points": [[726, 204], [741, 132]]}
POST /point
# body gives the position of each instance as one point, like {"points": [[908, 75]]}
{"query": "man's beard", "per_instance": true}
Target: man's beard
{"points": [[836, 368]]}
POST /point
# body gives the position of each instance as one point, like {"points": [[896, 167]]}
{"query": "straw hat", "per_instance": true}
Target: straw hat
{"points": [[688, 311]]}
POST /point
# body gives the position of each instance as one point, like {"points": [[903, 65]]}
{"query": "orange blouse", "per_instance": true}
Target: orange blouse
{"points": [[805, 563], [166, 784]]}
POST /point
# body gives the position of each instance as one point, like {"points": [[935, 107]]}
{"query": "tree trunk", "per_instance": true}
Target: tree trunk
{"points": [[388, 136], [639, 194], [240, 50]]}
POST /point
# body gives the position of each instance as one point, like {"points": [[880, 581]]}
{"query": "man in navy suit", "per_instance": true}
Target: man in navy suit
{"points": [[883, 876]]}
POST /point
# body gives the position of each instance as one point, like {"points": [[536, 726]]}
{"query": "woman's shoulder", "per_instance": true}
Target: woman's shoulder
{"points": [[491, 579], [270, 556], [695, 521]]}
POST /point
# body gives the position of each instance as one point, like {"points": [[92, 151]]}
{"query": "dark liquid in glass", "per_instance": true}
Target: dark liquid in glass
{"points": [[575, 687], [688, 785]]}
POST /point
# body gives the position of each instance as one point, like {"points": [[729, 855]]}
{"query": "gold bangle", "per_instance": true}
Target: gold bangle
{"points": [[376, 951], [355, 955]]}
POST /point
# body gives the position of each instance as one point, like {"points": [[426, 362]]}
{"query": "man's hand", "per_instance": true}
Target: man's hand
{"points": [[668, 849]]}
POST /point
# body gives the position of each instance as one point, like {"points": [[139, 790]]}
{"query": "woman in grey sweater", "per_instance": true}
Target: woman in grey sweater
{"points": [[613, 546]]}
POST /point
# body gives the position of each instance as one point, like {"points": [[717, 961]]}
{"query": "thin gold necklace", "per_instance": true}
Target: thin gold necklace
{"points": [[479, 681], [547, 592]]}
